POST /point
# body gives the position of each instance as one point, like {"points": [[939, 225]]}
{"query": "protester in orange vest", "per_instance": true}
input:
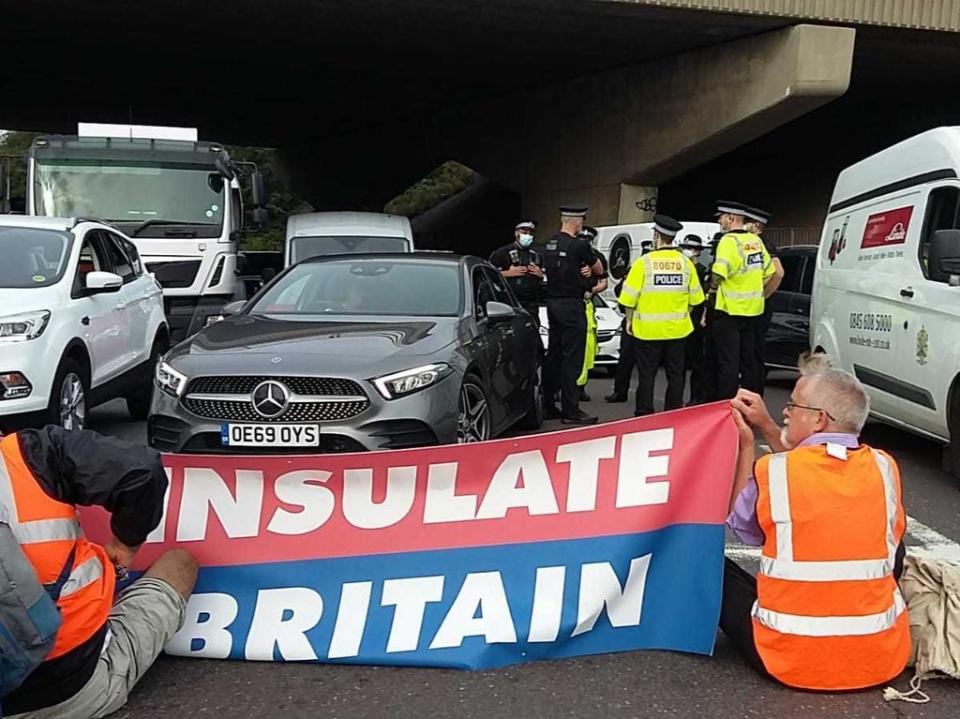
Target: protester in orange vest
{"points": [[825, 612], [103, 647]]}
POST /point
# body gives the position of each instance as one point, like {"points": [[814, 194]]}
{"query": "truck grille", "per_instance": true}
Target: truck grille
{"points": [[175, 274], [350, 400]]}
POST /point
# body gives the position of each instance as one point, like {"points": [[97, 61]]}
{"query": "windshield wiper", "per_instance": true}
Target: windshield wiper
{"points": [[155, 222]]}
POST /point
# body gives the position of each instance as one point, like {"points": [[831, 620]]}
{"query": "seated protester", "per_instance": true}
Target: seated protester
{"points": [[825, 612], [103, 646]]}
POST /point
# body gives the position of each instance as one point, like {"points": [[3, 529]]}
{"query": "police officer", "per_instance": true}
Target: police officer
{"points": [[594, 284], [521, 265], [563, 258], [756, 220], [658, 294], [646, 247], [740, 268], [692, 246], [628, 358]]}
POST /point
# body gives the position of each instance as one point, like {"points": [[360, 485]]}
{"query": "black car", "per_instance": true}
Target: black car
{"points": [[355, 352], [789, 333]]}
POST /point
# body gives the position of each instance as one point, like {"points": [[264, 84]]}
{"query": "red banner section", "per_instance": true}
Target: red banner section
{"points": [[886, 228], [638, 475]]}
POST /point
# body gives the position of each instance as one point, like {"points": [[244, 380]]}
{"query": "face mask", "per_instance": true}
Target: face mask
{"points": [[525, 240], [690, 253]]}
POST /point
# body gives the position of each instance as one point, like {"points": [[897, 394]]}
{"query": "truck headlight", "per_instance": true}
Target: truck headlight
{"points": [[169, 380], [403, 383], [23, 327]]}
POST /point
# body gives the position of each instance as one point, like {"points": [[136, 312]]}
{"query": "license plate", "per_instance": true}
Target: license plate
{"points": [[269, 435]]}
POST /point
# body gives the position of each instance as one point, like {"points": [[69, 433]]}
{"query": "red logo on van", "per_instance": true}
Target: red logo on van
{"points": [[886, 228]]}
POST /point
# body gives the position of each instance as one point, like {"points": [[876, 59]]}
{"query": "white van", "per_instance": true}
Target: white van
{"points": [[886, 300], [621, 245], [332, 233]]}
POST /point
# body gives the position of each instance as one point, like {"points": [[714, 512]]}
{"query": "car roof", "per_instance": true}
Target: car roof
{"points": [[408, 257], [63, 224], [798, 249]]}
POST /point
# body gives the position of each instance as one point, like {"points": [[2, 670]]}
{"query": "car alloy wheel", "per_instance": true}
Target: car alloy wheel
{"points": [[473, 419], [73, 402]]}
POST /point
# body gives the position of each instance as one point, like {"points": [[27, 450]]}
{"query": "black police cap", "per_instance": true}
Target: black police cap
{"points": [[666, 225]]}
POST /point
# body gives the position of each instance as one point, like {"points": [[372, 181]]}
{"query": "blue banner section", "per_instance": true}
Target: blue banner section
{"points": [[470, 608]]}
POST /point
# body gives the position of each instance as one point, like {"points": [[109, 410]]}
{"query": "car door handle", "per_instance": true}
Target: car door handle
{"points": [[906, 292]]}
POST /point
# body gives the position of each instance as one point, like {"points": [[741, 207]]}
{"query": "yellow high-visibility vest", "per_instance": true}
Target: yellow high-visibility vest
{"points": [[744, 264], [661, 287]]}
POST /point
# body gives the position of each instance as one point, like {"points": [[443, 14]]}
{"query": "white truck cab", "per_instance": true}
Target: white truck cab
{"points": [[177, 199], [886, 294], [333, 233], [622, 245]]}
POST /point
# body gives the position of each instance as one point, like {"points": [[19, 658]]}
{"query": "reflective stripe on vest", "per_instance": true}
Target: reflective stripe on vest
{"points": [[784, 566], [662, 316]]}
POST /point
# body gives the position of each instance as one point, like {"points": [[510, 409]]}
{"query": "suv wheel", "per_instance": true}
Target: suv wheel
{"points": [[138, 404], [68, 406]]}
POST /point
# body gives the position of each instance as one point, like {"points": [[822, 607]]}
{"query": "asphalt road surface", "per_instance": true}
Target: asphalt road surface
{"points": [[632, 684]]}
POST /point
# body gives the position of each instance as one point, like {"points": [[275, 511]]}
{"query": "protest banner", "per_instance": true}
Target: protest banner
{"points": [[602, 539]]}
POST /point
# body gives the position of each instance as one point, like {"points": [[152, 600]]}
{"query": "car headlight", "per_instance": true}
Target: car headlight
{"points": [[403, 383], [169, 380], [22, 327]]}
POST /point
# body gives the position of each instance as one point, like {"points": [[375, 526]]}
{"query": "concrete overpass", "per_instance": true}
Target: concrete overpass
{"points": [[604, 100]]}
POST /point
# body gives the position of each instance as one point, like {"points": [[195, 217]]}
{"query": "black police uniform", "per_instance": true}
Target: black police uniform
{"points": [[700, 364], [528, 288], [763, 326], [563, 257], [628, 358]]}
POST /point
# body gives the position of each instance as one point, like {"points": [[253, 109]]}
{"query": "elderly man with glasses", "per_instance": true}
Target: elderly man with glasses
{"points": [[825, 612]]}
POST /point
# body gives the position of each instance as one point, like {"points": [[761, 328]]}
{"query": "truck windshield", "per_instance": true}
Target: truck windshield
{"points": [[32, 258], [304, 247], [129, 192]]}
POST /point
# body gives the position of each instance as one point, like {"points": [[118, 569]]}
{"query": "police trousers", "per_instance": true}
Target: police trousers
{"points": [[651, 355], [567, 345], [735, 345], [763, 326], [626, 363]]}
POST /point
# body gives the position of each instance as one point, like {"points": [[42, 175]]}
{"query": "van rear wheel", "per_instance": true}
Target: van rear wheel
{"points": [[951, 453]]}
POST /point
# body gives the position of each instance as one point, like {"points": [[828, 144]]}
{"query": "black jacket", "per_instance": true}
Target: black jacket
{"points": [[88, 469]]}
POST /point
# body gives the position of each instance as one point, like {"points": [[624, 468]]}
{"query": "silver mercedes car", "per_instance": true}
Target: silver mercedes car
{"points": [[353, 353]]}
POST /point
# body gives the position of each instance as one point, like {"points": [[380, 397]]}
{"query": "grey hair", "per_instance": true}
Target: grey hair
{"points": [[835, 390]]}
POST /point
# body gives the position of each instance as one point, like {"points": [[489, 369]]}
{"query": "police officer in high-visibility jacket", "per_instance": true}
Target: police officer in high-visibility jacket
{"points": [[824, 612], [740, 269], [658, 293]]}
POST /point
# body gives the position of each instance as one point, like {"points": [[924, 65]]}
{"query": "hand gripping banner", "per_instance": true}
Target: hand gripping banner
{"points": [[603, 539]]}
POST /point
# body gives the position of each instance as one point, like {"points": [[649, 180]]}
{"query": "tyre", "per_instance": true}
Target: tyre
{"points": [[533, 419], [473, 412], [138, 404], [69, 396], [951, 453]]}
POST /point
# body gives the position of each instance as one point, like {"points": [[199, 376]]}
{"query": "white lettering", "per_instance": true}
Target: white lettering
{"points": [[204, 489], [637, 467], [160, 531], [351, 620], [535, 493], [281, 620], [584, 459], [480, 610], [547, 604], [206, 619], [302, 489], [600, 589], [358, 505], [442, 503], [409, 597]]}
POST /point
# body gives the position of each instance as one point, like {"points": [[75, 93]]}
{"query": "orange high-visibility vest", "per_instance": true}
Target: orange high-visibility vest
{"points": [[50, 536], [829, 614]]}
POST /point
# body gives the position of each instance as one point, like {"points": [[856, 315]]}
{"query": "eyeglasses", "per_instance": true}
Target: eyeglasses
{"points": [[790, 406]]}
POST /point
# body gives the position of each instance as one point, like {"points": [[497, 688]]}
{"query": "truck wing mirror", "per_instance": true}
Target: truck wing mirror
{"points": [[943, 258], [258, 190]]}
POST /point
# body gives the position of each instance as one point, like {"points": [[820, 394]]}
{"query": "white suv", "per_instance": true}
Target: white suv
{"points": [[80, 321]]}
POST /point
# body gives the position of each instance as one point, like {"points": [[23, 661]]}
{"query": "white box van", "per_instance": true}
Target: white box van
{"points": [[885, 297], [333, 233], [620, 244]]}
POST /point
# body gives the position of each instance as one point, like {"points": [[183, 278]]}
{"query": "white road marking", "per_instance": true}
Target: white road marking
{"points": [[921, 540]]}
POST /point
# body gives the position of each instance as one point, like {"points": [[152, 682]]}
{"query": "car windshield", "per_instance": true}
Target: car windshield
{"points": [[364, 287], [32, 257], [306, 247], [129, 192]]}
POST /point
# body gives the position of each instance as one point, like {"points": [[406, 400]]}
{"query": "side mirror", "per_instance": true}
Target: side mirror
{"points": [[943, 258], [499, 312], [232, 308], [97, 283], [258, 190]]}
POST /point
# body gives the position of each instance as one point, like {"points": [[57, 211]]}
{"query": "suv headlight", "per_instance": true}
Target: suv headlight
{"points": [[403, 383], [22, 327], [169, 380]]}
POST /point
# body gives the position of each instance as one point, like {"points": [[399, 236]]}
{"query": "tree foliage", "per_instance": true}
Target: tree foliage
{"points": [[13, 154], [445, 181]]}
